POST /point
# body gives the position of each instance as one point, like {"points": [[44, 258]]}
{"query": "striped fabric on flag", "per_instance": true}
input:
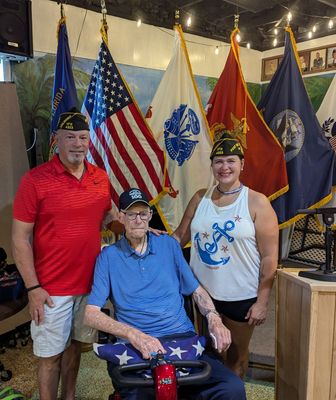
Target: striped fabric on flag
{"points": [[120, 141]]}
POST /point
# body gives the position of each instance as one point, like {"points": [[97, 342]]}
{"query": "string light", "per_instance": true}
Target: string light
{"points": [[289, 18], [139, 22]]}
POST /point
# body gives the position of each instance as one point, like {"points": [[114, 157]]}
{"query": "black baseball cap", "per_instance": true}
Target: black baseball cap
{"points": [[132, 196]]}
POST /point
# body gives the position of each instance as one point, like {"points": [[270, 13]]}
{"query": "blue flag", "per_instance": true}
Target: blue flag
{"points": [[309, 158], [64, 92]]}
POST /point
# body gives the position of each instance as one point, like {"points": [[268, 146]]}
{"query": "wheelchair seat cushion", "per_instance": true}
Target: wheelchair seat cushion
{"points": [[185, 348]]}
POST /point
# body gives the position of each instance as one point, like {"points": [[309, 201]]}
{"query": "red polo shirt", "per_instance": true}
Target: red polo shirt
{"points": [[67, 214]]}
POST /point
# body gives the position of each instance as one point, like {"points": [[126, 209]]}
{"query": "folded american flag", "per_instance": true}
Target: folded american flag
{"points": [[179, 348]]}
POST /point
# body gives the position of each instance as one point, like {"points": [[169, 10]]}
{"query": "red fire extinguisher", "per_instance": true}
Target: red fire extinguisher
{"points": [[164, 375]]}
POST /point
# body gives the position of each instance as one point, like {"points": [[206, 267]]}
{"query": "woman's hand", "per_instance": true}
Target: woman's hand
{"points": [[157, 232], [256, 315]]}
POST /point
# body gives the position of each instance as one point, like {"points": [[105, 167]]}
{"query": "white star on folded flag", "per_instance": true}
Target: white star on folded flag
{"points": [[199, 348], [177, 352], [123, 358]]}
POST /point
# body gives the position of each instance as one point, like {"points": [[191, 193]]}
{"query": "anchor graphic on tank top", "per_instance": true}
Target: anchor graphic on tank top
{"points": [[208, 253]]}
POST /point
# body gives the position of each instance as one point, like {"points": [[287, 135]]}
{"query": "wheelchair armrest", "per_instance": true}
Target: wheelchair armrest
{"points": [[104, 337]]}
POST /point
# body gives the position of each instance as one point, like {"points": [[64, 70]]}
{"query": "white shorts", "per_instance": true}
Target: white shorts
{"points": [[62, 323]]}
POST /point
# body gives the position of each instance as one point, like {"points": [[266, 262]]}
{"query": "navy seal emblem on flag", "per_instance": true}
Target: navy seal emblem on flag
{"points": [[179, 132], [290, 131]]}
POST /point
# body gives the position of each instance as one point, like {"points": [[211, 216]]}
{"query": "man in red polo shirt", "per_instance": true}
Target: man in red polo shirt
{"points": [[58, 213]]}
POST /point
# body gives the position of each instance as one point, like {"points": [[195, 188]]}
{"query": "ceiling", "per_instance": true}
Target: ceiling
{"points": [[214, 18]]}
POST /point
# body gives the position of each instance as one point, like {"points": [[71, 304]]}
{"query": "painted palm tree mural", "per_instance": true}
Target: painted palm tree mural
{"points": [[34, 83]]}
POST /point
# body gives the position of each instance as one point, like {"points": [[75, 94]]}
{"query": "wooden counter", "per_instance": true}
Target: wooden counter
{"points": [[305, 338]]}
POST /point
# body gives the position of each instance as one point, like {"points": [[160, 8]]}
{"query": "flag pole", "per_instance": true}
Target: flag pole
{"points": [[104, 27], [244, 119], [177, 17], [236, 21], [62, 10]]}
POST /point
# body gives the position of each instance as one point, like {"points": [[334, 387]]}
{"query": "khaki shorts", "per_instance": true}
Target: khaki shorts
{"points": [[62, 323]]}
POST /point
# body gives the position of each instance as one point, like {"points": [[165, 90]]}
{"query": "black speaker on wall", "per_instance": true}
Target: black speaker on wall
{"points": [[16, 39]]}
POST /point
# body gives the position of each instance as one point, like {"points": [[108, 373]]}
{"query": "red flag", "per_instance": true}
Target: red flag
{"points": [[120, 140], [231, 106]]}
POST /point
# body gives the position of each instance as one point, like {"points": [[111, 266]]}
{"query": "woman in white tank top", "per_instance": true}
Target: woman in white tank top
{"points": [[234, 234]]}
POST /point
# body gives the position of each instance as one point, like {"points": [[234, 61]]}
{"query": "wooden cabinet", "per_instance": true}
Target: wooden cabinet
{"points": [[305, 338]]}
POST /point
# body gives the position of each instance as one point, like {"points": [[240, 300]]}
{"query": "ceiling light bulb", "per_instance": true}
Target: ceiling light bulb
{"points": [[330, 24], [189, 21], [139, 22], [275, 31], [289, 16], [275, 42], [217, 50], [314, 28], [248, 45], [238, 38], [310, 34]]}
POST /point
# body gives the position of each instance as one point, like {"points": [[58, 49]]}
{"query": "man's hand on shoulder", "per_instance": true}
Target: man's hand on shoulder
{"points": [[157, 232]]}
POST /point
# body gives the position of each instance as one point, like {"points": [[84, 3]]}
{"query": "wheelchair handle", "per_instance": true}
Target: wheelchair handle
{"points": [[129, 381], [193, 378]]}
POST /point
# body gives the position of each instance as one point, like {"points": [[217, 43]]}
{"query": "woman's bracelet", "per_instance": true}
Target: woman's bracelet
{"points": [[29, 289]]}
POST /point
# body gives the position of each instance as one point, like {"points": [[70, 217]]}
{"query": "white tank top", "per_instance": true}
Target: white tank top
{"points": [[224, 253]]}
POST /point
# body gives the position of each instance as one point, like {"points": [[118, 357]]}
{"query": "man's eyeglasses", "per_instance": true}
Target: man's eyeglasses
{"points": [[131, 216]]}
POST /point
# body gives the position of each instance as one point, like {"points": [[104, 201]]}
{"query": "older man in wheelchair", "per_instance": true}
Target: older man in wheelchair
{"points": [[146, 276]]}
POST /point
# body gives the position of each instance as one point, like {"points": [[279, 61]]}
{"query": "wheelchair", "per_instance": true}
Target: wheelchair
{"points": [[164, 379], [160, 375]]}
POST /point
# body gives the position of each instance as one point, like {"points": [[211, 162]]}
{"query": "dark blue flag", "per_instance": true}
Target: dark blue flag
{"points": [[64, 92], [309, 158]]}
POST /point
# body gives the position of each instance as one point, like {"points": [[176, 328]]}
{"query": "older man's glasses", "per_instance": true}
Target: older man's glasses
{"points": [[131, 215]]}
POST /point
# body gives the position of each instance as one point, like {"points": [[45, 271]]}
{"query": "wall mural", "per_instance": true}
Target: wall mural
{"points": [[35, 78]]}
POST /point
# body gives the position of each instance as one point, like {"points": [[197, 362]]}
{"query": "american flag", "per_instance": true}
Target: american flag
{"points": [[180, 348], [120, 141]]}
